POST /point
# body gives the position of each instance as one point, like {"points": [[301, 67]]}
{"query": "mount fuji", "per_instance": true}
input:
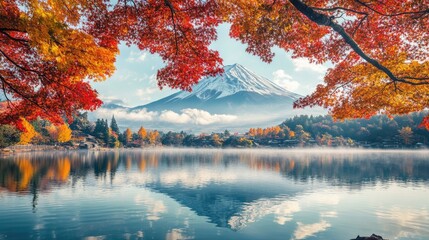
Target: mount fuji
{"points": [[236, 100], [237, 91]]}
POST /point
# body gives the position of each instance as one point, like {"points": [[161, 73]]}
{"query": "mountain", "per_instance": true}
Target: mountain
{"points": [[236, 100], [237, 90], [109, 105]]}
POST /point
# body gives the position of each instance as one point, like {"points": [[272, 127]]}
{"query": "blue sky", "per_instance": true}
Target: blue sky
{"points": [[134, 82]]}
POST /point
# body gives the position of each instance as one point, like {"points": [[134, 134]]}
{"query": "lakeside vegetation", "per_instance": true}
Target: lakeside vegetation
{"points": [[299, 131]]}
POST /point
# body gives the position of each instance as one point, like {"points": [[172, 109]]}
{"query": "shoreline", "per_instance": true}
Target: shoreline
{"points": [[310, 150]]}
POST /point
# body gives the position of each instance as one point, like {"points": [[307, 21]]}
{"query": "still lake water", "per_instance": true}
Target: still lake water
{"points": [[215, 194]]}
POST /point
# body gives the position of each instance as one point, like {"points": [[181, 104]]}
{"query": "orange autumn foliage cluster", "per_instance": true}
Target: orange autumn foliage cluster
{"points": [[60, 133], [28, 170], [265, 132], [28, 132], [153, 137], [378, 50]]}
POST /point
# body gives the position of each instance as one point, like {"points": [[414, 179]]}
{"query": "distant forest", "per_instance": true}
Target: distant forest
{"points": [[299, 131]]}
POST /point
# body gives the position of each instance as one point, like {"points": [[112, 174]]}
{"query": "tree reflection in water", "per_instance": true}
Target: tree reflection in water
{"points": [[302, 193], [29, 173]]}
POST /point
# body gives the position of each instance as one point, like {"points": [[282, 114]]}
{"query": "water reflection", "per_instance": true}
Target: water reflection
{"points": [[305, 194], [23, 172]]}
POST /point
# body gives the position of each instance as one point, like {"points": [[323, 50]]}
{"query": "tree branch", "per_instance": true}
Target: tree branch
{"points": [[25, 41], [325, 20], [333, 9], [422, 12], [28, 98], [170, 6]]}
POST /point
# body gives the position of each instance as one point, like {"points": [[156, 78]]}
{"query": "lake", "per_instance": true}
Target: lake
{"points": [[215, 194]]}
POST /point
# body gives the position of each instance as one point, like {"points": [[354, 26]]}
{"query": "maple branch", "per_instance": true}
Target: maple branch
{"points": [[422, 12], [170, 6], [43, 79], [417, 78], [360, 24], [25, 41], [9, 102], [11, 30], [28, 98], [325, 20], [17, 65], [333, 9]]}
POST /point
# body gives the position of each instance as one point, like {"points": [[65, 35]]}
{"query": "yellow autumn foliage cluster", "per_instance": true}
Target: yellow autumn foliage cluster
{"points": [[28, 132], [60, 133]]}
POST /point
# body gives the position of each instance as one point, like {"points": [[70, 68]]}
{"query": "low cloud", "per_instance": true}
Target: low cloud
{"points": [[113, 100], [281, 78], [186, 116], [140, 115], [302, 64], [195, 116]]}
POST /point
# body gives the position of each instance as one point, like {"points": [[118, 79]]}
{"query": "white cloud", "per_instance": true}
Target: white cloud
{"points": [[281, 78], [282, 208], [177, 234], [146, 93], [151, 89], [408, 221], [123, 76], [141, 115], [154, 207], [305, 230], [302, 64], [152, 79], [186, 116], [197, 179], [195, 116], [173, 117], [136, 57], [329, 214]]}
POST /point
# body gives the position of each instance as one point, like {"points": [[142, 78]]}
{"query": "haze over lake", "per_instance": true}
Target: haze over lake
{"points": [[215, 194]]}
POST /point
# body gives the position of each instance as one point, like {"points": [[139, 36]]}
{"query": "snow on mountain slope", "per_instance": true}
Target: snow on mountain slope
{"points": [[236, 78]]}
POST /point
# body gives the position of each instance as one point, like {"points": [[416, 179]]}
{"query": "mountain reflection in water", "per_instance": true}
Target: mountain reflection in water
{"points": [[232, 189]]}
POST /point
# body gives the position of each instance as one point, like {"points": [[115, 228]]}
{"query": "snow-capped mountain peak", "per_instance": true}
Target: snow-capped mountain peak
{"points": [[235, 78]]}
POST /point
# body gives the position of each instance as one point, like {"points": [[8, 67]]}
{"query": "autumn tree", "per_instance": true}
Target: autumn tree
{"points": [[28, 132], [60, 134], [64, 133], [301, 134], [52, 131], [406, 134], [48, 57], [216, 140], [252, 132], [378, 50], [142, 133], [153, 137], [128, 136]]}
